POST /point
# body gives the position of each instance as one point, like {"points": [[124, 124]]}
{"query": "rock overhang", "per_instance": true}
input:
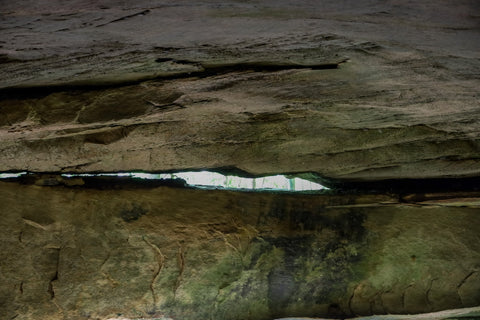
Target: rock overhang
{"points": [[378, 100], [388, 110], [180, 125]]}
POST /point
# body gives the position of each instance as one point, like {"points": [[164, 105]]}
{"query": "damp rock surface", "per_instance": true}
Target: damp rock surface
{"points": [[354, 91], [75, 253]]}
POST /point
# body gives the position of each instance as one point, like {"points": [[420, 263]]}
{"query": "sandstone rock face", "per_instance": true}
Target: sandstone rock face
{"points": [[348, 92], [76, 253], [355, 92]]}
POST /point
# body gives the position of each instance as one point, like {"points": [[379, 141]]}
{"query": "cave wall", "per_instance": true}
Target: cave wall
{"points": [[355, 91], [73, 253]]}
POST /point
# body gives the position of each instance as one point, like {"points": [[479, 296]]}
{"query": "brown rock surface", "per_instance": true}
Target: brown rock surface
{"points": [[350, 91], [242, 85], [78, 253]]}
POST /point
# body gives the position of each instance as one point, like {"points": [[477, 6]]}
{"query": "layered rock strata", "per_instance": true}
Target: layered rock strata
{"points": [[355, 92], [359, 94]]}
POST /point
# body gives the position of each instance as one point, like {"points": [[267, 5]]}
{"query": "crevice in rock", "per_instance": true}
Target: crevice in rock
{"points": [[164, 106], [160, 258], [409, 191], [462, 283], [190, 179], [141, 13], [465, 279], [351, 300], [255, 66], [106, 275], [80, 165], [406, 187], [205, 70], [51, 289], [181, 269]]}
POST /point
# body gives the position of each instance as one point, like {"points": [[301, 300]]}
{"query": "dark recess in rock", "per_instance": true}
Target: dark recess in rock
{"points": [[133, 213], [107, 136], [404, 185]]}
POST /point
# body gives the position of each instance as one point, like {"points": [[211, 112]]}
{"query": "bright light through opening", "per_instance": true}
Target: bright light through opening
{"points": [[213, 179], [208, 179], [11, 175]]}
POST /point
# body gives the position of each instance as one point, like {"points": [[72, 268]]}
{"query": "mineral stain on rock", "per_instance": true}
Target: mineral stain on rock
{"points": [[326, 255], [133, 213]]}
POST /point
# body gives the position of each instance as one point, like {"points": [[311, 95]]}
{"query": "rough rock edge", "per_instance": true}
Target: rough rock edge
{"points": [[467, 313]]}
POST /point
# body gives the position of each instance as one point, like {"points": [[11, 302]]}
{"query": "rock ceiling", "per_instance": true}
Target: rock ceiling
{"points": [[356, 91]]}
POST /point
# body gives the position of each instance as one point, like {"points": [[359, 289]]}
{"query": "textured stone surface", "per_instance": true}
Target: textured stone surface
{"points": [[211, 85], [353, 90], [456, 314], [76, 253]]}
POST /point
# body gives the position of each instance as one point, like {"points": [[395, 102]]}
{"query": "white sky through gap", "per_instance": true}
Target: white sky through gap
{"points": [[210, 179]]}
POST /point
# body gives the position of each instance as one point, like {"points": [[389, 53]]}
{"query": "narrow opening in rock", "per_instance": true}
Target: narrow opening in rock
{"points": [[12, 175], [207, 179]]}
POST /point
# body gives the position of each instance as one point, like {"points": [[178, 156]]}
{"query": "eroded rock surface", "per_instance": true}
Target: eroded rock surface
{"points": [[246, 85], [73, 253], [352, 91]]}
